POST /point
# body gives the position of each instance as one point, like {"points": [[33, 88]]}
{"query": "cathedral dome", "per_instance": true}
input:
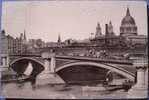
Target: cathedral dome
{"points": [[128, 25], [128, 19]]}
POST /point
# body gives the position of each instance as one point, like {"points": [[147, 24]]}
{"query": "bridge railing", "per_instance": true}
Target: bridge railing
{"points": [[96, 59]]}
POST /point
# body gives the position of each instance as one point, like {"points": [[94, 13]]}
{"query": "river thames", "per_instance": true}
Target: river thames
{"points": [[57, 91]]}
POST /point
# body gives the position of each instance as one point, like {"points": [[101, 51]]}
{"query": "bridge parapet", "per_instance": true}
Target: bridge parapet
{"points": [[47, 55], [125, 62]]}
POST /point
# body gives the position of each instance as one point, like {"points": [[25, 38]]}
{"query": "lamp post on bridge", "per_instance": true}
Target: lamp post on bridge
{"points": [[139, 90]]}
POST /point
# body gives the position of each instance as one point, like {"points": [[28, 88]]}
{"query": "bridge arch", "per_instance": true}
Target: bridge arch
{"points": [[116, 69], [26, 58], [19, 65]]}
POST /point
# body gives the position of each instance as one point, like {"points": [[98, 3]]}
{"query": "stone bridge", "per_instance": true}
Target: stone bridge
{"points": [[73, 66]]}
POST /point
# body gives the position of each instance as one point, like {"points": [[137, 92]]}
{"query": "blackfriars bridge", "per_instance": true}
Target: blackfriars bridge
{"points": [[73, 66]]}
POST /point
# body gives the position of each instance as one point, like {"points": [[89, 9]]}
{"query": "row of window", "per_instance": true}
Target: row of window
{"points": [[128, 29]]}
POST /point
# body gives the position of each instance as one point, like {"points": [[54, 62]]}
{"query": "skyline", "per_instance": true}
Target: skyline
{"points": [[70, 19]]}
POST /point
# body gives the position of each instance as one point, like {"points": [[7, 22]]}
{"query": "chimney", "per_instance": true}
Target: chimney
{"points": [[106, 29]]}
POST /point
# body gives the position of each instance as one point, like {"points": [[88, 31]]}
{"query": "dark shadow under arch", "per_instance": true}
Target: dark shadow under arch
{"points": [[19, 66], [116, 69], [83, 74]]}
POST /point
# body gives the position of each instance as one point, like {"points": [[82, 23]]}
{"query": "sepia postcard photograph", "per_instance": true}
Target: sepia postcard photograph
{"points": [[77, 49]]}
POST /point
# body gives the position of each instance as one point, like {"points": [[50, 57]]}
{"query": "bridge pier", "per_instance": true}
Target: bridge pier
{"points": [[49, 61], [46, 66], [53, 63], [48, 76], [139, 90]]}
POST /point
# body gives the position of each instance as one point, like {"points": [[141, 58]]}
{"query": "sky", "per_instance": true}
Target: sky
{"points": [[70, 19]]}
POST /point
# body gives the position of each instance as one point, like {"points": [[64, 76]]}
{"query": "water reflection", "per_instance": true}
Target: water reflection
{"points": [[56, 91]]}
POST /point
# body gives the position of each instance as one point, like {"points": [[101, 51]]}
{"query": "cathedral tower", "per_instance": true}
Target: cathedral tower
{"points": [[110, 29], [98, 31], [59, 39], [24, 38]]}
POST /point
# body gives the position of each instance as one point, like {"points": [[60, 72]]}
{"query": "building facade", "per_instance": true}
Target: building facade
{"points": [[9, 46], [128, 34], [3, 50], [13, 45]]}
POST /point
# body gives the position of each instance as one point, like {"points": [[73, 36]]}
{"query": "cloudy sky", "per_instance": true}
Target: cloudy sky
{"points": [[70, 19]]}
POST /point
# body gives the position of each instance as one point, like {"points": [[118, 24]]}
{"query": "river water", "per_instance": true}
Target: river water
{"points": [[50, 90], [57, 91]]}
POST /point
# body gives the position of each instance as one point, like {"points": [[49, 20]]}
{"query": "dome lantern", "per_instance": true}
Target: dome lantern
{"points": [[127, 13]]}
